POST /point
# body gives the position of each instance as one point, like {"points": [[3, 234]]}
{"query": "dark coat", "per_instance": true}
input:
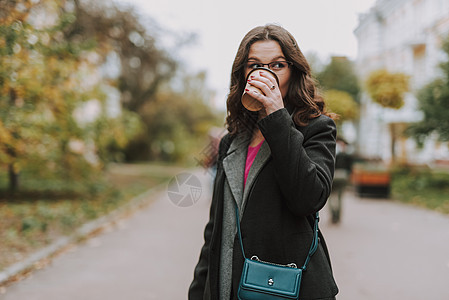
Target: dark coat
{"points": [[293, 183]]}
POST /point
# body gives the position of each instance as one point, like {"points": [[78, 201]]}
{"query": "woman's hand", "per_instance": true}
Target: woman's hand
{"points": [[271, 97]]}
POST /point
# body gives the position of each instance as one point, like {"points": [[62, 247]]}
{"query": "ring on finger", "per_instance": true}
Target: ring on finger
{"points": [[273, 87]]}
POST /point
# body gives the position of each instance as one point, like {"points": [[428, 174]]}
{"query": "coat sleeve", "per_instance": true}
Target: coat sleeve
{"points": [[304, 159]]}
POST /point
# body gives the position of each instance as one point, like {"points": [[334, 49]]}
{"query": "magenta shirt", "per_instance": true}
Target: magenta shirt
{"points": [[252, 152]]}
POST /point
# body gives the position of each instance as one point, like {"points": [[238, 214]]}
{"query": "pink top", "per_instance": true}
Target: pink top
{"points": [[252, 152]]}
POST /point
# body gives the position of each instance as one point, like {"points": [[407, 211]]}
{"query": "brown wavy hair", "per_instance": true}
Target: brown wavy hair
{"points": [[302, 96]]}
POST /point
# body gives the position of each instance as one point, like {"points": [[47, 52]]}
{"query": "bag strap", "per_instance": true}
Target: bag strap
{"points": [[313, 246], [315, 241]]}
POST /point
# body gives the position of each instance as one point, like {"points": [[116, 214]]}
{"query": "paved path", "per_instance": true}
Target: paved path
{"points": [[389, 251], [148, 256], [381, 251]]}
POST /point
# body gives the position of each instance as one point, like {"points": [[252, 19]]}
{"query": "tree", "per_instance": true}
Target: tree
{"points": [[175, 121], [387, 89], [144, 66], [44, 80], [38, 87], [339, 75], [342, 104], [341, 89], [146, 79], [433, 101], [52, 59]]}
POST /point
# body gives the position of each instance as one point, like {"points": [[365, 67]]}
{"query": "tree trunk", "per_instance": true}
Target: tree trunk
{"points": [[13, 178]]}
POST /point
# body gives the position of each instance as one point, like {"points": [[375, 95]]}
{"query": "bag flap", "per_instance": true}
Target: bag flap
{"points": [[271, 279]]}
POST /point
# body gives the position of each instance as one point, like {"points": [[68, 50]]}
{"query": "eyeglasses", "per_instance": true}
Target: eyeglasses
{"points": [[278, 67]]}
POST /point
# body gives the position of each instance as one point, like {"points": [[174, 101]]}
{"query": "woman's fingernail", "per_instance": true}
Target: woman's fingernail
{"points": [[246, 90], [249, 80], [252, 77]]}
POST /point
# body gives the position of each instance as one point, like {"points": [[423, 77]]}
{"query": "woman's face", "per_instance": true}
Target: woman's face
{"points": [[266, 52]]}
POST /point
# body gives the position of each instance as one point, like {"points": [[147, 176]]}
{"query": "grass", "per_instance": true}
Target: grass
{"points": [[46, 210], [422, 187]]}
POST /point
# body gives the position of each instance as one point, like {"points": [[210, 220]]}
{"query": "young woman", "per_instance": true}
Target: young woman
{"points": [[277, 164]]}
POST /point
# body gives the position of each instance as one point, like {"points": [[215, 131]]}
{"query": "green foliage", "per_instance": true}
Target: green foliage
{"points": [[339, 75], [51, 79], [112, 135], [387, 89], [423, 178], [45, 81], [422, 187], [433, 101], [39, 89], [342, 104], [176, 122], [172, 105]]}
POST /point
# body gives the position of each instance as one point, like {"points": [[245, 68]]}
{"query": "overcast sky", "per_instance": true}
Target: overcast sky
{"points": [[321, 26]]}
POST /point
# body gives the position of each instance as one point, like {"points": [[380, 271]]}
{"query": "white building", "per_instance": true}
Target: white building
{"points": [[400, 36]]}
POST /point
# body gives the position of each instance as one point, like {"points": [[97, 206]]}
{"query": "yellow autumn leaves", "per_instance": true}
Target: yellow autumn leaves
{"points": [[387, 89], [342, 104]]}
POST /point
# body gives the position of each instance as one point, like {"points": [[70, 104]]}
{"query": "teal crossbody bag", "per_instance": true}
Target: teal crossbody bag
{"points": [[265, 280]]}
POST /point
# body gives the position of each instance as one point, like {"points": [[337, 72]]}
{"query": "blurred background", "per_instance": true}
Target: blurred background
{"points": [[102, 100]]}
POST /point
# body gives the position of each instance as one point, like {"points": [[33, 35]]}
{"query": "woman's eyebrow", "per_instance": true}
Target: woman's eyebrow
{"points": [[274, 59]]}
